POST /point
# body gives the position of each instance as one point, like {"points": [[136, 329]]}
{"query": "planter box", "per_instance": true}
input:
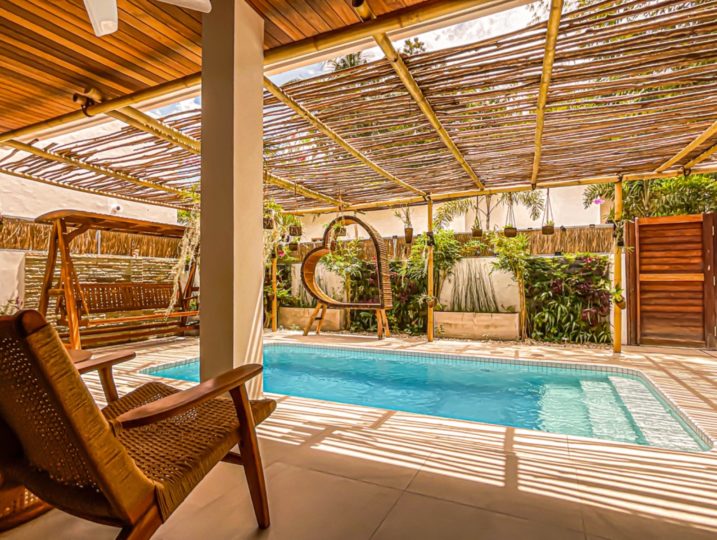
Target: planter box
{"points": [[293, 318], [453, 324]]}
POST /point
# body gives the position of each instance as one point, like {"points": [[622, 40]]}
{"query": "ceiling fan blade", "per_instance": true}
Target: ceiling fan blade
{"points": [[205, 6], [103, 16]]}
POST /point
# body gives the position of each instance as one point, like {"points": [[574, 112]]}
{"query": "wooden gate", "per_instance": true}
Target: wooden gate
{"points": [[671, 281]]}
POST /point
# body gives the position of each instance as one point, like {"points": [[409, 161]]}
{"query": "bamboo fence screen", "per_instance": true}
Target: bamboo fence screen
{"points": [[30, 236], [633, 84]]}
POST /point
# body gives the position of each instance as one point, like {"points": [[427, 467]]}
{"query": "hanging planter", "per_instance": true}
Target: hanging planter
{"points": [[548, 227], [340, 231], [405, 216], [293, 245], [510, 230], [476, 232], [408, 234], [295, 230], [268, 223]]}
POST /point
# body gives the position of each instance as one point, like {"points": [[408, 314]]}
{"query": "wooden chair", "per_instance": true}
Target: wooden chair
{"points": [[133, 463]]}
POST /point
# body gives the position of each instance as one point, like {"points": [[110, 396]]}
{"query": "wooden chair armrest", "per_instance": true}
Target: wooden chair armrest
{"points": [[182, 401], [104, 361]]}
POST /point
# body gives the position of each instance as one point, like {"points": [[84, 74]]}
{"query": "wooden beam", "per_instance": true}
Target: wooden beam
{"points": [[98, 169], [34, 178], [144, 122], [617, 275], [139, 120], [694, 144], [294, 187], [443, 197], [429, 275], [551, 39], [307, 115], [703, 156], [404, 74]]}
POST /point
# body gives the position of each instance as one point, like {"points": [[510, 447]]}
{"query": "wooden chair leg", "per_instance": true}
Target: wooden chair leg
{"points": [[321, 319], [386, 329], [250, 456], [144, 528], [309, 324], [108, 384]]}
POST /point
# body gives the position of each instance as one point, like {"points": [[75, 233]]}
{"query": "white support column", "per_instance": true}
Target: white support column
{"points": [[232, 236]]}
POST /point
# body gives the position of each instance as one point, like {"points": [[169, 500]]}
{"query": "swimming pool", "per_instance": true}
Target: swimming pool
{"points": [[602, 402]]}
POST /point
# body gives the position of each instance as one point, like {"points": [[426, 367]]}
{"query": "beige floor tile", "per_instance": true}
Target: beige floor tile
{"points": [[57, 525], [416, 517], [619, 525], [304, 505], [542, 490]]}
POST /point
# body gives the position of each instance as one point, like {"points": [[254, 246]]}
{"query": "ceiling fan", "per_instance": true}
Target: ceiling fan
{"points": [[103, 13]]}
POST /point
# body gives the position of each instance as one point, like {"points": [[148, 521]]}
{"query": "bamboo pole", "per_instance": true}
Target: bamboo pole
{"points": [[443, 197], [140, 120], [703, 156], [146, 123], [694, 144], [617, 275], [288, 185], [429, 276], [97, 169], [307, 115], [414, 19], [274, 303], [160, 90], [551, 39], [34, 178], [404, 74]]}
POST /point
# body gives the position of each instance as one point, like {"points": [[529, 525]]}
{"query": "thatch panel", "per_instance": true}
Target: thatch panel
{"points": [[30, 236]]}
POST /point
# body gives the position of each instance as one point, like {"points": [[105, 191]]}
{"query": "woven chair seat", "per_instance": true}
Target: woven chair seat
{"points": [[178, 452]]}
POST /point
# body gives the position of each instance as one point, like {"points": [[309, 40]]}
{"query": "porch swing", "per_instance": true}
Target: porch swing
{"points": [[111, 312]]}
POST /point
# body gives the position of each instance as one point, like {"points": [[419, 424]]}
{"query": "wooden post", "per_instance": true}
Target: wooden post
{"points": [[617, 274], [274, 307], [49, 270], [66, 279], [429, 288]]}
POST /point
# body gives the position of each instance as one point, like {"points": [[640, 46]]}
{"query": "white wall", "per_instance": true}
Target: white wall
{"points": [[567, 206], [12, 276], [28, 199]]}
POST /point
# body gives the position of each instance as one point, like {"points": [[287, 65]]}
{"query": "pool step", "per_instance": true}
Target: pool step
{"points": [[658, 426], [607, 416], [561, 410]]}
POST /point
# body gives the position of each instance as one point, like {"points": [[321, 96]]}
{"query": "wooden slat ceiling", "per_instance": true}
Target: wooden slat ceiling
{"points": [[48, 50]]}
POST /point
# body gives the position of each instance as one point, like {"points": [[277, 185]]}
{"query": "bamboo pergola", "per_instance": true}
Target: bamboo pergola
{"points": [[614, 90]]}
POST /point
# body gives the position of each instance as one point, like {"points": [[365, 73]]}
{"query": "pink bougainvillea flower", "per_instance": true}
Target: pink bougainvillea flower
{"points": [[598, 200]]}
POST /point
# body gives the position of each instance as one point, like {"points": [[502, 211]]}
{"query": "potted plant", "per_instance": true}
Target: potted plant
{"points": [[293, 245], [477, 229], [268, 223], [339, 229], [548, 219], [510, 231], [295, 230], [405, 216], [618, 297]]}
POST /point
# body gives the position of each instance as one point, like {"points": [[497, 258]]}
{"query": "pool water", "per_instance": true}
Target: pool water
{"points": [[573, 401]]}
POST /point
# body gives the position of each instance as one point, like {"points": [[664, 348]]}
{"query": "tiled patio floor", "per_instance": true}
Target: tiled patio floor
{"points": [[346, 472]]}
